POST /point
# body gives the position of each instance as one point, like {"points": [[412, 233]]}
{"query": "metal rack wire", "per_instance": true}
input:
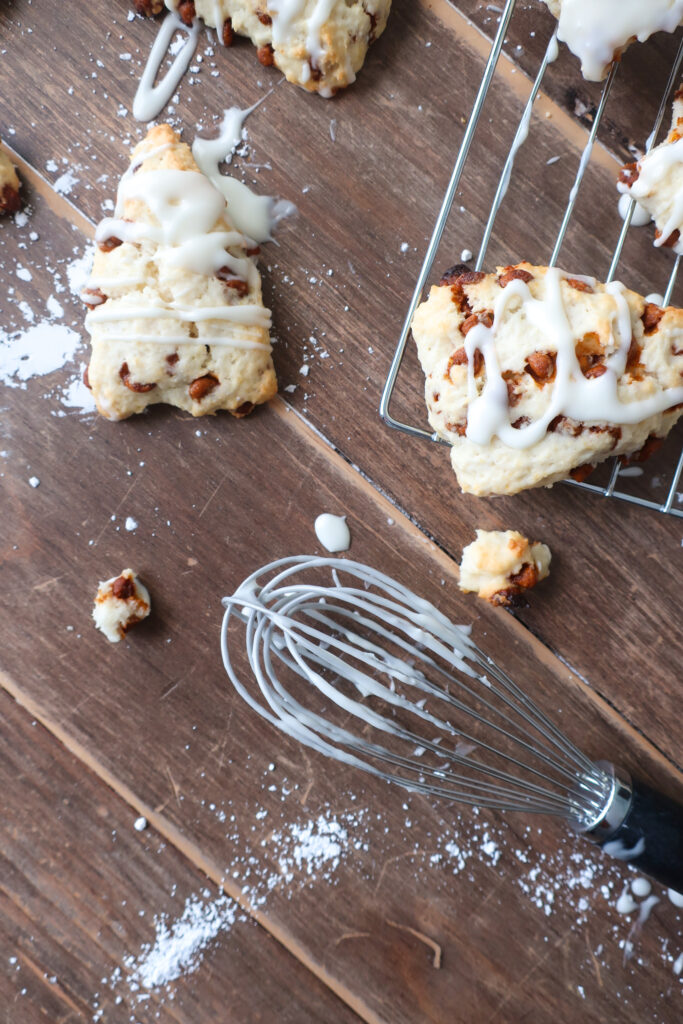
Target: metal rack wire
{"points": [[609, 491]]}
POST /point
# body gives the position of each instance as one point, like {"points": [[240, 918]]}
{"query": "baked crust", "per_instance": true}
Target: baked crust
{"points": [[500, 566], [319, 51], [523, 364], [10, 201], [656, 183], [209, 362]]}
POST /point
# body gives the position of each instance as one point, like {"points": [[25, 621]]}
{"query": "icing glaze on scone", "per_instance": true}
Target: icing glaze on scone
{"points": [[9, 186], [656, 183], [176, 313], [532, 374], [317, 44], [598, 31], [120, 603], [499, 566]]}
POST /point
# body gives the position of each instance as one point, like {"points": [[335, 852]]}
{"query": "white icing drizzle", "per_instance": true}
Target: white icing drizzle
{"points": [[333, 532], [186, 207], [235, 314], [256, 216], [595, 30], [585, 400], [150, 99], [653, 171]]}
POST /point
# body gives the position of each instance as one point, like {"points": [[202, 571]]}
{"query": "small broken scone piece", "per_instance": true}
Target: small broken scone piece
{"points": [[10, 201], [176, 310], [656, 183], [500, 566], [317, 44], [533, 375], [120, 603], [598, 31]]}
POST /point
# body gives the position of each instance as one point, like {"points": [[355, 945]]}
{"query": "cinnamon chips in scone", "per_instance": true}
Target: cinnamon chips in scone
{"points": [[317, 44], [532, 374], [176, 311]]}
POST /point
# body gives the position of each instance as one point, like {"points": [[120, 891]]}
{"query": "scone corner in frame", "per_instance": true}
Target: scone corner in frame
{"points": [[656, 183], [599, 31], [319, 45], [533, 375], [175, 307]]}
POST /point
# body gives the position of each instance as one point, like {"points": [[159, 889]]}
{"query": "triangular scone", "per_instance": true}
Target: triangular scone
{"points": [[176, 312], [533, 375], [598, 31], [656, 182], [317, 44]]}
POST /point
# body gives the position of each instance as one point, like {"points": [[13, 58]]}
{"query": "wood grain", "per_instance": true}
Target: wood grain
{"points": [[80, 897], [154, 719]]}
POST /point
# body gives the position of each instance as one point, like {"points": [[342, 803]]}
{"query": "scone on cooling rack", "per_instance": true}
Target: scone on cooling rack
{"points": [[533, 375], [656, 182], [176, 312], [9, 186], [598, 31], [317, 44], [499, 566]]}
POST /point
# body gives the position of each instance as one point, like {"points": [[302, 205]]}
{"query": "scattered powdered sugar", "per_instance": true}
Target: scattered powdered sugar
{"points": [[41, 349], [131, 524], [78, 271], [179, 946], [314, 846]]}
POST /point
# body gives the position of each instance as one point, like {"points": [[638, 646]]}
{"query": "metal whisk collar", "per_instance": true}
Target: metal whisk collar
{"points": [[355, 665]]}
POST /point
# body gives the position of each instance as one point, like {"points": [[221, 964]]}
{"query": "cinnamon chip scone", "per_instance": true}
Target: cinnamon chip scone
{"points": [[532, 375], [500, 566], [598, 31], [176, 312], [656, 182], [120, 603], [317, 44], [9, 186]]}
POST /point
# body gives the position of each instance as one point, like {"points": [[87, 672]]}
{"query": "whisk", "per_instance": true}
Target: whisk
{"points": [[355, 665]]}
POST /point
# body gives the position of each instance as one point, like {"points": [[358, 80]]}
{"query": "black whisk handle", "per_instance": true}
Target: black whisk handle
{"points": [[650, 837]]}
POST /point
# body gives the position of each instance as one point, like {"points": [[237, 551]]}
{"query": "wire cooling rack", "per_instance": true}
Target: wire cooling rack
{"points": [[666, 506]]}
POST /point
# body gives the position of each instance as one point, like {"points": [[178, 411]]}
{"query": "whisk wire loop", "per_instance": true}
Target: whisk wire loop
{"points": [[367, 672]]}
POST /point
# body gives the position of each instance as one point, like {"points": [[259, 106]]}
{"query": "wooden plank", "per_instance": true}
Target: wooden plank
{"points": [[157, 722], [84, 897], [380, 124]]}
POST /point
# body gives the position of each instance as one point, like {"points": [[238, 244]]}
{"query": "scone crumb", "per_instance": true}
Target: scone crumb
{"points": [[120, 603], [500, 565]]}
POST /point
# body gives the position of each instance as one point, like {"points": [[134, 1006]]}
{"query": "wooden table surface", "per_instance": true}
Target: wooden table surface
{"points": [[308, 892]]}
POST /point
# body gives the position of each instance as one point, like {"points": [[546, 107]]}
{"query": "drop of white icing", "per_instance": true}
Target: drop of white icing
{"points": [[333, 532], [641, 887], [640, 215], [656, 298], [675, 897]]}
